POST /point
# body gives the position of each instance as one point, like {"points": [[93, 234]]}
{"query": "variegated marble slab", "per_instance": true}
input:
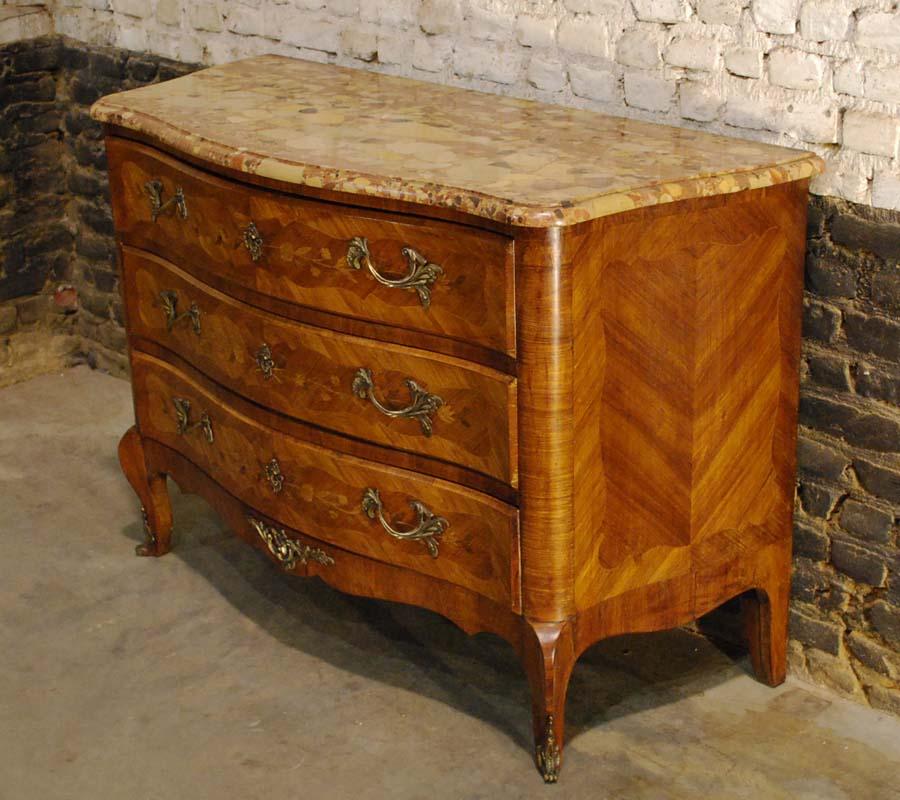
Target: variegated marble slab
{"points": [[513, 161]]}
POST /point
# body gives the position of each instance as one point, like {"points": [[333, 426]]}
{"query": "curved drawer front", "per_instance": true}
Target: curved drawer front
{"points": [[392, 515], [444, 279], [388, 394]]}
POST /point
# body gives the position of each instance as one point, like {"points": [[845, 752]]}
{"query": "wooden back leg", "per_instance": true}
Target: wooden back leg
{"points": [[765, 612]]}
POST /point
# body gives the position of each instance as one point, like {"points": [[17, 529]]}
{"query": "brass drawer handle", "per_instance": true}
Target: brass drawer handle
{"points": [[421, 275], [422, 404], [427, 529], [183, 419], [288, 551], [169, 301], [274, 476], [177, 202], [253, 241], [265, 362]]}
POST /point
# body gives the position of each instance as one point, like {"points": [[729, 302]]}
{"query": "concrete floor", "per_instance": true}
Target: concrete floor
{"points": [[209, 674]]}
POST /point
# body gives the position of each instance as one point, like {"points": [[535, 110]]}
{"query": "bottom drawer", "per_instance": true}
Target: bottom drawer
{"points": [[399, 517]]}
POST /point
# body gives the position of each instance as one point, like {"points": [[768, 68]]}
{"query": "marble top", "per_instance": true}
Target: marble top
{"points": [[513, 161]]}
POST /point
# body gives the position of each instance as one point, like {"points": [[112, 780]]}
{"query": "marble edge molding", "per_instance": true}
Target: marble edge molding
{"points": [[498, 209]]}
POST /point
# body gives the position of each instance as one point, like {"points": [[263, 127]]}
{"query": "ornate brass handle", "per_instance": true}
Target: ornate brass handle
{"points": [[177, 202], [422, 404], [253, 241], [265, 362], [183, 419], [169, 301], [427, 529], [274, 476], [421, 275], [288, 551]]}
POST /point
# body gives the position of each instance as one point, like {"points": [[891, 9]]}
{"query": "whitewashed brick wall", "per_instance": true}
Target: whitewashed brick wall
{"points": [[818, 74]]}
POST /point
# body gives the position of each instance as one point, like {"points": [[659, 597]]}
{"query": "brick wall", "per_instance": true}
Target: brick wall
{"points": [[89, 73], [846, 609], [817, 74], [35, 240], [59, 299]]}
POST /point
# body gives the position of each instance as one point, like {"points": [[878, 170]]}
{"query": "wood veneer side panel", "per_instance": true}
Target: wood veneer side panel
{"points": [[633, 321], [589, 370], [755, 546], [684, 315], [747, 382], [671, 602], [546, 480]]}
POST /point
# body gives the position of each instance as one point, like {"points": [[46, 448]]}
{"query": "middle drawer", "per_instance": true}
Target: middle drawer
{"points": [[392, 395]]}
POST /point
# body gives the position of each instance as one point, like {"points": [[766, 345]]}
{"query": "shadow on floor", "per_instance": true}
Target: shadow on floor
{"points": [[480, 676]]}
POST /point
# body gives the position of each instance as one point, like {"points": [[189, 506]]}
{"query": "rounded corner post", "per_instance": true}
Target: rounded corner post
{"points": [[544, 340]]}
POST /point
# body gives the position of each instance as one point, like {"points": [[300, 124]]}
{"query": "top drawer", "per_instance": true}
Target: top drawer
{"points": [[444, 279]]}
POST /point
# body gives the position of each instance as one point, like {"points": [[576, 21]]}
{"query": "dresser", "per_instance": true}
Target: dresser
{"points": [[530, 367]]}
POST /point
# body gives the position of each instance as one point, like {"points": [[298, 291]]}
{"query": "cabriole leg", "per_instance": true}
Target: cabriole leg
{"points": [[548, 656], [153, 493]]}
